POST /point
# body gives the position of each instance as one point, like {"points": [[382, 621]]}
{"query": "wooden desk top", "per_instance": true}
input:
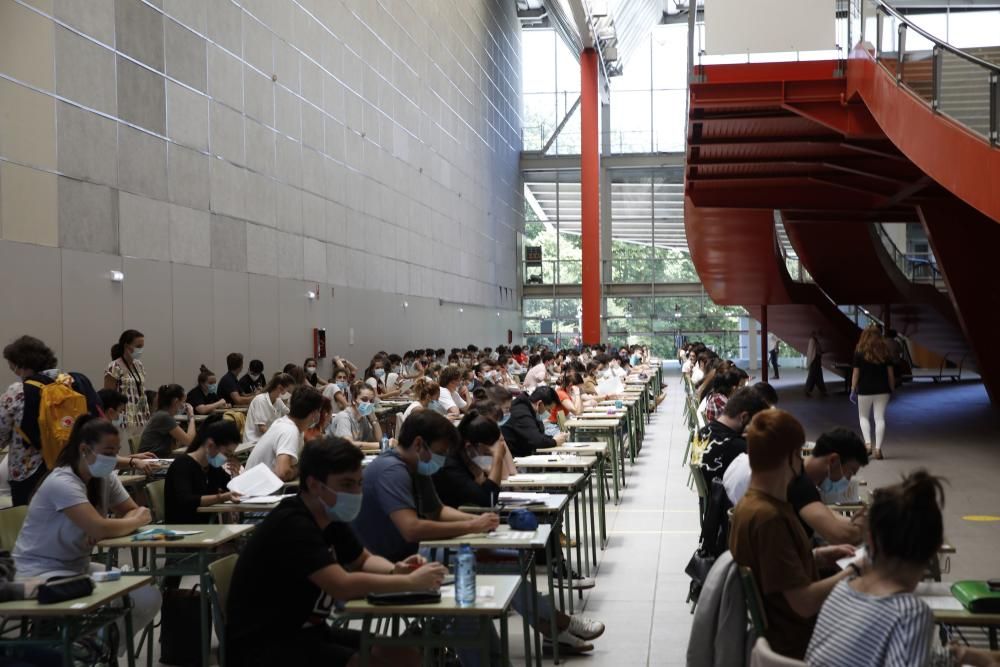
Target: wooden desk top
{"points": [[551, 480], [502, 538], [556, 462], [504, 586], [597, 448], [104, 592], [209, 536], [223, 508], [554, 503], [962, 616], [592, 423]]}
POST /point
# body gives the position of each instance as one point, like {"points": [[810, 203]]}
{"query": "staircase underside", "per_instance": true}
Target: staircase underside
{"points": [[825, 151]]}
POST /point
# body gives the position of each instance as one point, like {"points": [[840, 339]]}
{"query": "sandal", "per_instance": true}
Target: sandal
{"points": [[879, 456]]}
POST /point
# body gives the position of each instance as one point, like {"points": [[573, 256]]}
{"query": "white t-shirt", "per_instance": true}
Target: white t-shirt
{"points": [[410, 408], [261, 411], [283, 437], [49, 542], [331, 390], [452, 399], [535, 376], [736, 479], [697, 374]]}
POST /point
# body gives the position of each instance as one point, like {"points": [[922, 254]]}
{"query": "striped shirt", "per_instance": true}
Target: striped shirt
{"points": [[859, 630]]}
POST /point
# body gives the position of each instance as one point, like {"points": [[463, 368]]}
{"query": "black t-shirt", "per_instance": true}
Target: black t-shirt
{"points": [[198, 397], [186, 483], [249, 386], [802, 492], [271, 596], [724, 445], [456, 486], [872, 378], [228, 385]]}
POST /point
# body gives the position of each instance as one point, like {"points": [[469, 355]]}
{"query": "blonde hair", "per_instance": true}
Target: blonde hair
{"points": [[424, 387], [872, 346]]}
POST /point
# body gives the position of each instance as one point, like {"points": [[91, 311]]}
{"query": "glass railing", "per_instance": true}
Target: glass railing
{"points": [[962, 83], [622, 271], [535, 137], [918, 267]]}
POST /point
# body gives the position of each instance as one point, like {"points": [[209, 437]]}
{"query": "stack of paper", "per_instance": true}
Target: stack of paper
{"points": [[258, 481], [263, 500]]}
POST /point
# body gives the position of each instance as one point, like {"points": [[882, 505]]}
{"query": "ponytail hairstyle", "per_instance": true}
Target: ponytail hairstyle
{"points": [[87, 430], [279, 380], [219, 430], [475, 429], [905, 522], [424, 387], [127, 338], [167, 394], [489, 410], [204, 374]]}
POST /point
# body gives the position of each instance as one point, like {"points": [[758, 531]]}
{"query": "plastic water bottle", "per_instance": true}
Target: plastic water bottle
{"points": [[465, 577], [385, 443]]}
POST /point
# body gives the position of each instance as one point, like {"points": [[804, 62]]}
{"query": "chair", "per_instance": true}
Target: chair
{"points": [[11, 520], [755, 605], [221, 572], [157, 502], [764, 656]]}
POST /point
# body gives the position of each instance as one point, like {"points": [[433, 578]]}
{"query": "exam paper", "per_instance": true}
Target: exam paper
{"points": [[263, 500], [258, 481]]}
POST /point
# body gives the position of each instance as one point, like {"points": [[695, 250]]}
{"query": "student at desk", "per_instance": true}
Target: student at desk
{"points": [[427, 393], [890, 626], [161, 431], [279, 448], [338, 390], [400, 506], [523, 430], [266, 407], [229, 385], [358, 423], [113, 409], [197, 478], [301, 558], [69, 513], [254, 381], [204, 398]]}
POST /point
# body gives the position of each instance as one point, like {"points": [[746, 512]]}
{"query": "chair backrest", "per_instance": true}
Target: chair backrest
{"points": [[399, 424], [764, 656], [699, 480], [222, 575], [11, 520], [755, 605], [157, 502]]}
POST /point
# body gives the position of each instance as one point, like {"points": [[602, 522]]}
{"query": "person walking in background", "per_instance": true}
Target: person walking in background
{"points": [[814, 356], [772, 353], [125, 375], [872, 384]]}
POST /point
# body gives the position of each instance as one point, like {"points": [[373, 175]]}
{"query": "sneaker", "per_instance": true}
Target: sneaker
{"points": [[569, 643], [581, 583], [585, 628]]}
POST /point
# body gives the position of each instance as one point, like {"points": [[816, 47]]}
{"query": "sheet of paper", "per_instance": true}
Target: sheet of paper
{"points": [[482, 592], [258, 481], [525, 478], [508, 495], [513, 535], [858, 555], [610, 386], [263, 500], [942, 602], [186, 532]]}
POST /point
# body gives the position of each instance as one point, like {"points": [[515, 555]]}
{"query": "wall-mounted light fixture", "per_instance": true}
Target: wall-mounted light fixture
{"points": [[117, 277], [312, 295], [406, 304], [461, 310]]}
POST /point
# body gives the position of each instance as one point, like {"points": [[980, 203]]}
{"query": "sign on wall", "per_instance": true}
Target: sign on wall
{"points": [[769, 26]]}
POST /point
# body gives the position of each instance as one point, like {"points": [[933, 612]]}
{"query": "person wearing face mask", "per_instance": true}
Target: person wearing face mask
{"points": [[766, 536], [229, 385], [280, 597], [113, 407], [338, 391], [79, 503], [204, 398], [197, 478], [538, 372], [358, 423], [126, 375], [34, 364], [451, 391], [162, 433], [377, 378], [312, 377], [280, 447], [266, 407], [427, 393], [524, 431], [254, 381], [724, 435]]}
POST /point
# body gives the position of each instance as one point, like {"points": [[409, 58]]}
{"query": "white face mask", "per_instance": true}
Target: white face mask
{"points": [[484, 462]]}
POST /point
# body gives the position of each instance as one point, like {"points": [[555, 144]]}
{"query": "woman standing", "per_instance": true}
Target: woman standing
{"points": [[872, 383], [125, 375]]}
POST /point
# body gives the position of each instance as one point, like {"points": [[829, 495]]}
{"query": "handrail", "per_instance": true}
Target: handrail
{"points": [[904, 263], [910, 25]]}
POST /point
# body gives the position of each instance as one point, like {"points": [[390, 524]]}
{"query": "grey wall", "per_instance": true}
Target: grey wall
{"points": [[229, 157]]}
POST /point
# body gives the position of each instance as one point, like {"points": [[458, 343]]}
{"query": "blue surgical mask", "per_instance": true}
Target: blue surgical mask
{"points": [[217, 461], [212, 388], [366, 408], [342, 386], [428, 468], [137, 353], [347, 508], [103, 466], [119, 422], [471, 385], [484, 462], [504, 419], [379, 373], [830, 488]]}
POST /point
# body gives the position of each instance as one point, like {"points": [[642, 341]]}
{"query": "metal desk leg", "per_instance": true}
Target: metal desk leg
{"points": [[602, 465], [579, 539], [569, 556], [550, 559], [504, 642], [129, 640], [206, 628], [67, 644], [364, 650], [613, 453], [485, 632], [533, 603], [593, 532], [522, 562], [584, 485]]}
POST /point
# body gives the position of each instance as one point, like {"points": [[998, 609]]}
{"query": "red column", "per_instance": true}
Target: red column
{"points": [[590, 198]]}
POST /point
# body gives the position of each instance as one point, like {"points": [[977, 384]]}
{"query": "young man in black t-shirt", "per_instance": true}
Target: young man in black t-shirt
{"points": [[304, 556], [229, 384]]}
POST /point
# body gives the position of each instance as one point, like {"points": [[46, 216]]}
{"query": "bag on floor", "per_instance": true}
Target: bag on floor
{"points": [[180, 629]]}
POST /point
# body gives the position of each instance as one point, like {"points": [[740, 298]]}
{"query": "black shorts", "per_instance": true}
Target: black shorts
{"points": [[321, 645]]}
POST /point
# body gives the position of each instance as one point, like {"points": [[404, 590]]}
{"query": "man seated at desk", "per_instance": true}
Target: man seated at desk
{"points": [[279, 448], [301, 558]]}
